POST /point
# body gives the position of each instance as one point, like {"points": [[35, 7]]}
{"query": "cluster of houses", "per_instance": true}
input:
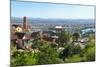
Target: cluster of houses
{"points": [[22, 37]]}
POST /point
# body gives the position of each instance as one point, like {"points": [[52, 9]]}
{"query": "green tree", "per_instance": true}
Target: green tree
{"points": [[76, 36], [63, 39]]}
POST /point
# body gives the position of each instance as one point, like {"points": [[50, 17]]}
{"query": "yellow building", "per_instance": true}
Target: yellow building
{"points": [[18, 29]]}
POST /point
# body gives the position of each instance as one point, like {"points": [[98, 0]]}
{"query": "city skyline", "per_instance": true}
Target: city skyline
{"points": [[48, 10]]}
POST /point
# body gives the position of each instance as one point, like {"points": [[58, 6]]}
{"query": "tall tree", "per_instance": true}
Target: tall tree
{"points": [[63, 39], [76, 36]]}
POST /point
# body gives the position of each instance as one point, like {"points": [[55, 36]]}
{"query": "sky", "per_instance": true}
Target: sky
{"points": [[51, 10]]}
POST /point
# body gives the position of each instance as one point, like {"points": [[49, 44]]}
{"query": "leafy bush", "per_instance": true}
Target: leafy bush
{"points": [[48, 55], [74, 58], [90, 54], [24, 58], [76, 49]]}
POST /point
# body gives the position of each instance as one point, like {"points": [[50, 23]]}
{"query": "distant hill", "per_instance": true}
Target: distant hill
{"points": [[53, 21]]}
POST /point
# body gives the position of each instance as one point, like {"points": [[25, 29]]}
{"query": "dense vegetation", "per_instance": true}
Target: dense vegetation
{"points": [[48, 52]]}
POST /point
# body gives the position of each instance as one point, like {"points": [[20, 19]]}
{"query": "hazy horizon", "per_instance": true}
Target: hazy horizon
{"points": [[57, 18]]}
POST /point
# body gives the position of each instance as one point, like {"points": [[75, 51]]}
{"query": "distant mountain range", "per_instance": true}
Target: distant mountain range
{"points": [[53, 21]]}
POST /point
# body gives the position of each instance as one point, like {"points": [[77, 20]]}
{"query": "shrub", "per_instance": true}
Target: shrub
{"points": [[24, 58]]}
